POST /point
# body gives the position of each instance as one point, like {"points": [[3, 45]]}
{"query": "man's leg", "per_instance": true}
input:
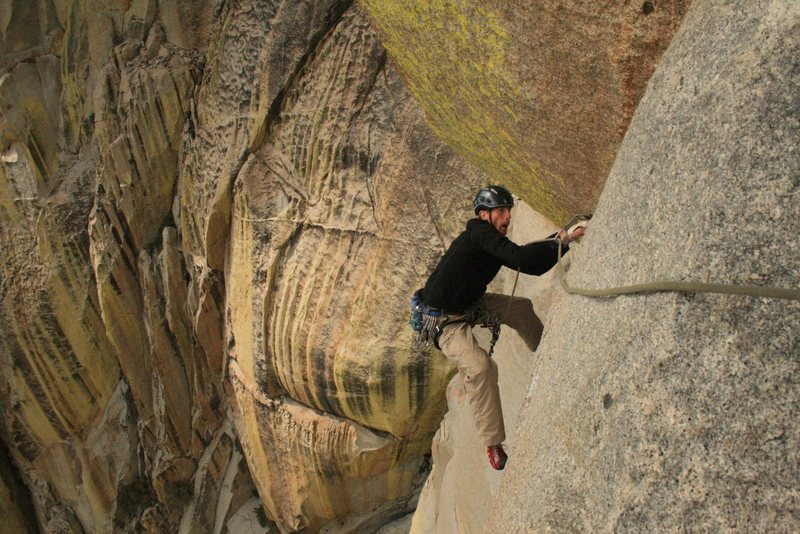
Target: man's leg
{"points": [[519, 315], [480, 380]]}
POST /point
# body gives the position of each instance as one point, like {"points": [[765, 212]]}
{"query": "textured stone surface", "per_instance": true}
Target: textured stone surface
{"points": [[29, 28], [322, 262], [16, 506], [59, 371], [674, 411], [538, 94], [249, 66], [317, 227], [109, 405], [126, 228], [137, 328], [399, 526]]}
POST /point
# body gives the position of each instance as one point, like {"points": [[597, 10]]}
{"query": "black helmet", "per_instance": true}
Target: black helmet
{"points": [[493, 196]]}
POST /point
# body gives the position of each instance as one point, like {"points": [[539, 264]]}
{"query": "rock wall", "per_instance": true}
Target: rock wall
{"points": [[202, 203], [537, 94], [318, 296], [212, 214], [676, 411]]}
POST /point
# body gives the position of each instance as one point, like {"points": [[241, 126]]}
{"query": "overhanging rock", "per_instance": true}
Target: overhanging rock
{"points": [[536, 93]]}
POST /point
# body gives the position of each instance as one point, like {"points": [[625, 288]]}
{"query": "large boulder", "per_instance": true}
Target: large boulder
{"points": [[675, 411]]}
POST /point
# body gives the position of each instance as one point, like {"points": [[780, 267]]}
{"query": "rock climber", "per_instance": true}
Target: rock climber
{"points": [[455, 294]]}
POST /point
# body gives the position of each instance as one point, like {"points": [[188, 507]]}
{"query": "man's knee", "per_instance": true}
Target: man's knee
{"points": [[521, 313], [478, 367], [527, 324]]}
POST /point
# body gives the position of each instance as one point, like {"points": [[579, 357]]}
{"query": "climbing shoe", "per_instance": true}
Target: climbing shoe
{"points": [[497, 456]]}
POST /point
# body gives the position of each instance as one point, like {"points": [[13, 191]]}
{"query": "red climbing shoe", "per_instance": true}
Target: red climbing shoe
{"points": [[497, 456]]}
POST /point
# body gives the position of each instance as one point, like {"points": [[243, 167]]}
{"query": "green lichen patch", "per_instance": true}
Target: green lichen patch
{"points": [[452, 55]]}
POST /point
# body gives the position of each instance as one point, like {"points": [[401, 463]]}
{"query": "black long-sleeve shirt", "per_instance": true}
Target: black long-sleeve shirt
{"points": [[474, 259]]}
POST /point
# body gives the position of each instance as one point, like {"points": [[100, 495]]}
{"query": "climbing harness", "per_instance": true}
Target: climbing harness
{"points": [[475, 316], [429, 323], [673, 285]]}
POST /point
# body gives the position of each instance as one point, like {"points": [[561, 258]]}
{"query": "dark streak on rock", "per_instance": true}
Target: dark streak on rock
{"points": [[323, 383], [334, 16], [388, 381], [357, 397]]}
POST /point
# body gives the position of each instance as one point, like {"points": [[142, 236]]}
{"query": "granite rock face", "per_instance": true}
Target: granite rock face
{"points": [[212, 215], [678, 411]]}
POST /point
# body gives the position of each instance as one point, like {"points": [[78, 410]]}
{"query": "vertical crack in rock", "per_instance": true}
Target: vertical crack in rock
{"points": [[332, 18]]}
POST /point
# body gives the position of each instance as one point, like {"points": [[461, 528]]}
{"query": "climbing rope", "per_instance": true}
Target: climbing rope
{"points": [[675, 285], [511, 297]]}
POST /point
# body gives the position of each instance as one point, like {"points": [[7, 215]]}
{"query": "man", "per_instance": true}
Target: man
{"points": [[459, 283]]}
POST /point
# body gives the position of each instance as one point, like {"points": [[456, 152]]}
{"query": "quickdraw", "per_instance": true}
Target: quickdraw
{"points": [[424, 320]]}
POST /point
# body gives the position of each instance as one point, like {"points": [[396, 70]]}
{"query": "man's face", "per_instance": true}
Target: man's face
{"points": [[500, 218]]}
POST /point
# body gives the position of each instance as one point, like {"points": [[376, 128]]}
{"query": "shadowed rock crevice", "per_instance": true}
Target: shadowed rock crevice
{"points": [[18, 509]]}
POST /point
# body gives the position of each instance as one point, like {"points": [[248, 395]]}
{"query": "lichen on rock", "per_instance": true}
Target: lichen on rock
{"points": [[536, 94]]}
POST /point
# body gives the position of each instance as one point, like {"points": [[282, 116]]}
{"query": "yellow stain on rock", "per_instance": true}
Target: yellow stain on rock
{"points": [[65, 370]]}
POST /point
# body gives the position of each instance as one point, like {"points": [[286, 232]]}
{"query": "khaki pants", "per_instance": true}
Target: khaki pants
{"points": [[478, 370]]}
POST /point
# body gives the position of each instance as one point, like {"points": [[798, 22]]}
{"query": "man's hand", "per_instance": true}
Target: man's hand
{"points": [[574, 229], [568, 237], [577, 233]]}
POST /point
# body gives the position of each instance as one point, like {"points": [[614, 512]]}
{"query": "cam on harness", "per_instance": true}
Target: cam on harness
{"points": [[428, 323]]}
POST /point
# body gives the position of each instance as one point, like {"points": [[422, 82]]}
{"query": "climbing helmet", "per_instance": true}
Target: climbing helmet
{"points": [[493, 196]]}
